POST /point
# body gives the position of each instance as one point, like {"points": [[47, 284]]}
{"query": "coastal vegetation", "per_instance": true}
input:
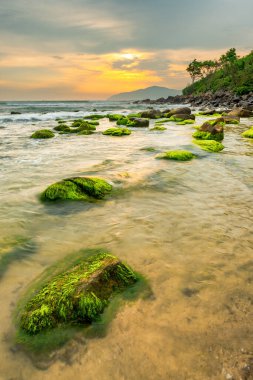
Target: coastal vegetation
{"points": [[228, 73]]}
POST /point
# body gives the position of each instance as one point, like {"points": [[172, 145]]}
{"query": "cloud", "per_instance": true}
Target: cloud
{"points": [[96, 48]]}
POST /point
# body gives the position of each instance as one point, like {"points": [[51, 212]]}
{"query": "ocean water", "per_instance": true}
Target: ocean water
{"points": [[186, 226]]}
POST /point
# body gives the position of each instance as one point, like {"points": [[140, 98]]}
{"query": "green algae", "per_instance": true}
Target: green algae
{"points": [[62, 128], [125, 121], [201, 135], [159, 127], [77, 189], [42, 134], [177, 155], [248, 134], [114, 117], [211, 146], [73, 290], [117, 132], [149, 149], [185, 122], [94, 117], [85, 132]]}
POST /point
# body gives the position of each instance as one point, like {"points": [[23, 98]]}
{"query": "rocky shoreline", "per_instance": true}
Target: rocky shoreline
{"points": [[220, 99]]}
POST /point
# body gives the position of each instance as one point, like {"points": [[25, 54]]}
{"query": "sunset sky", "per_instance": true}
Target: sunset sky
{"points": [[83, 49]]}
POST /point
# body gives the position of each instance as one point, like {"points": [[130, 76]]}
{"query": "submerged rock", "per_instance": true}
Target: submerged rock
{"points": [[248, 134], [77, 295], [117, 132], [178, 155], [158, 127], [209, 145], [62, 128], [78, 189], [42, 134]]}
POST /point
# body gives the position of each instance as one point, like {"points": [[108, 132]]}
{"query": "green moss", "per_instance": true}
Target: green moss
{"points": [[178, 155], [62, 128], [177, 119], [61, 121], [42, 134], [77, 295], [200, 135], [209, 145], [92, 122], [134, 115], [94, 117], [85, 132], [161, 121], [186, 122], [149, 149], [125, 121], [248, 133], [117, 131], [114, 117], [79, 188], [158, 128]]}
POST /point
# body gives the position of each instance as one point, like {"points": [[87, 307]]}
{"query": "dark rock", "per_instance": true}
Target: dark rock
{"points": [[140, 122], [151, 114], [241, 112]]}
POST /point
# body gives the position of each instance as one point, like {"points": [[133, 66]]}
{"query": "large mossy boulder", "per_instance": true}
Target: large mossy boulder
{"points": [[211, 146], [76, 296], [177, 155], [77, 189], [181, 110], [151, 114], [117, 132], [211, 130], [139, 122], [42, 134], [248, 134]]}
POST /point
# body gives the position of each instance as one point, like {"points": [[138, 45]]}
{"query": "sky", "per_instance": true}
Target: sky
{"points": [[83, 49]]}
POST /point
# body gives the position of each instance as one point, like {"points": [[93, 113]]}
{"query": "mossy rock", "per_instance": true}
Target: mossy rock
{"points": [[125, 121], [77, 295], [200, 135], [185, 122], [94, 117], [177, 155], [117, 132], [209, 145], [248, 134], [114, 117], [77, 189], [85, 132], [42, 134], [62, 128], [158, 128]]}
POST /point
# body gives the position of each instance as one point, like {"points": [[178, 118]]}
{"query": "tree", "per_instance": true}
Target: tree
{"points": [[194, 69]]}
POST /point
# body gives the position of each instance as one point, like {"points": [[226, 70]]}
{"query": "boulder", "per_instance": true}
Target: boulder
{"points": [[78, 189], [182, 110], [76, 295], [241, 112], [210, 130], [151, 114], [139, 122], [117, 132], [182, 117], [42, 134]]}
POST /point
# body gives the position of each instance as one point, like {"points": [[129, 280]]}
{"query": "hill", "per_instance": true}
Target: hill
{"points": [[229, 73], [153, 92]]}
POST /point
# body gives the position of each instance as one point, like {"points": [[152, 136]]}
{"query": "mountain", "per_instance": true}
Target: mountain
{"points": [[230, 73], [153, 93]]}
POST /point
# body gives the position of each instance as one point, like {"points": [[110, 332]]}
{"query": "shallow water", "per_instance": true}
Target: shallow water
{"points": [[186, 226]]}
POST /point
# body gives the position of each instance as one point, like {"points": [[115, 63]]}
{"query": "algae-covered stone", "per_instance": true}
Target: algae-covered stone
{"points": [[209, 145], [79, 189], [158, 128], [77, 295], [114, 117], [211, 130], [117, 132], [94, 117], [42, 134], [62, 128], [208, 136], [139, 122], [125, 121], [248, 134], [178, 155]]}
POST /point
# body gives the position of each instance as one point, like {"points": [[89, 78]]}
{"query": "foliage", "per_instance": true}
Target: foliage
{"points": [[229, 73]]}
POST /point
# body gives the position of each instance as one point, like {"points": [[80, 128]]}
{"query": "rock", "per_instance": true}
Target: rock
{"points": [[117, 132], [158, 128], [230, 119], [77, 189], [15, 113], [76, 296], [182, 117], [139, 122], [211, 130], [241, 112], [211, 146], [248, 134], [42, 134], [151, 114], [177, 155], [62, 128], [182, 110]]}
